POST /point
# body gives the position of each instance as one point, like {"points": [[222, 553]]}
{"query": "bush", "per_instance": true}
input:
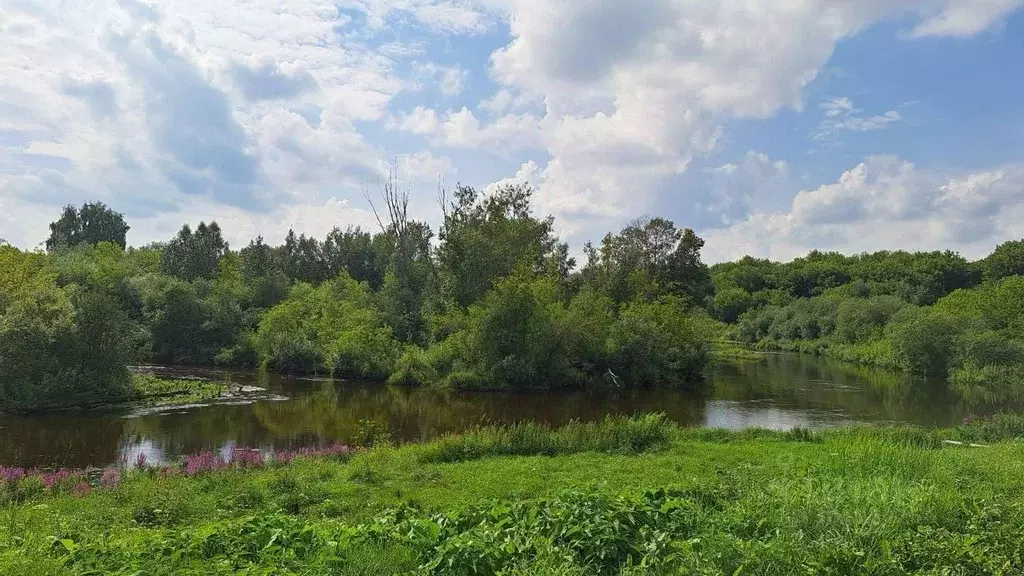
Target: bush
{"points": [[864, 319], [413, 369], [922, 341], [332, 329], [655, 344]]}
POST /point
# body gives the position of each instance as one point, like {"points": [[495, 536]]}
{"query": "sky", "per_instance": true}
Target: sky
{"points": [[770, 128]]}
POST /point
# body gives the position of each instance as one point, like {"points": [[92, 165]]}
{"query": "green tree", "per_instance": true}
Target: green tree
{"points": [[485, 238], [93, 223], [646, 259], [1006, 260], [191, 255]]}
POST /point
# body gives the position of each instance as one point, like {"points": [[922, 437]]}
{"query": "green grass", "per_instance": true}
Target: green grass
{"points": [[153, 391], [622, 496]]}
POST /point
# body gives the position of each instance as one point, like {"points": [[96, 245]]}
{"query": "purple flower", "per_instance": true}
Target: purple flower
{"points": [[140, 460], [53, 479], [11, 474], [246, 458], [111, 478], [82, 489], [203, 462]]}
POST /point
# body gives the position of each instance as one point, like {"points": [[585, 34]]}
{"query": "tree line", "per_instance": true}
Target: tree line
{"points": [[932, 314], [495, 301]]}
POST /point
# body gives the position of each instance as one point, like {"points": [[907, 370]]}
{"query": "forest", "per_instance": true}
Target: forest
{"points": [[494, 301]]}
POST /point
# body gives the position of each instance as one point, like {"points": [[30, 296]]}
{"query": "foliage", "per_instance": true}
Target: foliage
{"points": [[614, 434], [330, 329], [1006, 260], [190, 256], [656, 344], [647, 259], [91, 224], [155, 391], [61, 347], [485, 238]]}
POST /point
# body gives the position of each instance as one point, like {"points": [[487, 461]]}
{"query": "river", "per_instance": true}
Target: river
{"points": [[780, 391]]}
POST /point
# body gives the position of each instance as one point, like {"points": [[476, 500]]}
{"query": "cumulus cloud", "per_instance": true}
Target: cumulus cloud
{"points": [[963, 18], [193, 107], [462, 129], [161, 109], [642, 89], [881, 203]]}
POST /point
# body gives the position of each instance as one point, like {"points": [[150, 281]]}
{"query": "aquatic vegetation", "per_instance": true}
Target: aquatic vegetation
{"points": [[155, 391]]}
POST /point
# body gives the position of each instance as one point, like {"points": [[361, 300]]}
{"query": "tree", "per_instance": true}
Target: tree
{"points": [[1006, 260], [194, 255], [483, 239], [647, 259], [410, 265], [91, 224], [61, 347]]}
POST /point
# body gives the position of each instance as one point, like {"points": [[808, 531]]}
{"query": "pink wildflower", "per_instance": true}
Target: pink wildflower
{"points": [[111, 478]]}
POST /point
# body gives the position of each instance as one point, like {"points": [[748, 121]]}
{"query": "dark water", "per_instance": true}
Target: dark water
{"points": [[780, 391]]}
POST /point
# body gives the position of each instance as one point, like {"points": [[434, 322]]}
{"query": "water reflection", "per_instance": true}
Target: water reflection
{"points": [[780, 391]]}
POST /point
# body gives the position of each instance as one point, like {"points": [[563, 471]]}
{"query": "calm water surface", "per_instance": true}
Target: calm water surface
{"points": [[780, 391]]}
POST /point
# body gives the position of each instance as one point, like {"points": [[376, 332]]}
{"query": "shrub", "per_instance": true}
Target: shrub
{"points": [[922, 341], [655, 344], [332, 329]]}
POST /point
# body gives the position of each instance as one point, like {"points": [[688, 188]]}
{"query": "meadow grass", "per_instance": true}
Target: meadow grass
{"points": [[621, 496]]}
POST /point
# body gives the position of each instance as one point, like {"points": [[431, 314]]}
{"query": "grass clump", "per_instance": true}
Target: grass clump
{"points": [[153, 391], [613, 434]]}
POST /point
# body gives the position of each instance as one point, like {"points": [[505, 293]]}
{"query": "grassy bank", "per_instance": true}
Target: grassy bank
{"points": [[626, 496]]}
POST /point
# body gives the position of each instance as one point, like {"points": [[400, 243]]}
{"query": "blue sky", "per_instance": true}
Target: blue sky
{"points": [[770, 128]]}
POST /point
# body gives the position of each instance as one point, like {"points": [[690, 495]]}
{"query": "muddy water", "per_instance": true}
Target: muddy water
{"points": [[780, 391]]}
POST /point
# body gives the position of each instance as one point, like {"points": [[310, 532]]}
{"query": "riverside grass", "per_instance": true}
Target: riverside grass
{"points": [[622, 496]]}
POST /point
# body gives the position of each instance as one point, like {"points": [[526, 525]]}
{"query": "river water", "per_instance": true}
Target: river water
{"points": [[780, 391]]}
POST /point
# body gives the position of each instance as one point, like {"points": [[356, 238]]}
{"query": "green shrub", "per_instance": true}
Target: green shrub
{"points": [[656, 344], [413, 369], [922, 341]]}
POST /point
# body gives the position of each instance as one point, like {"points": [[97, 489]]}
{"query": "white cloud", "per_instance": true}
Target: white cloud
{"points": [[841, 116], [633, 92], [177, 108], [754, 183], [462, 129], [965, 18], [881, 203], [450, 80]]}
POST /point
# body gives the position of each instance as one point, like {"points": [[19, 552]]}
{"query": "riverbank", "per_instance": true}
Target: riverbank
{"points": [[629, 496]]}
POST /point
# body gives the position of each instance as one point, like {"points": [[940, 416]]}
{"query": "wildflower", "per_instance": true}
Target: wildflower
{"points": [[246, 458], [11, 474], [140, 460], [82, 489], [53, 479], [111, 478], [203, 462]]}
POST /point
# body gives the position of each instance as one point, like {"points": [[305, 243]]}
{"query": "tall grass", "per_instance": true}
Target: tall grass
{"points": [[615, 434]]}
